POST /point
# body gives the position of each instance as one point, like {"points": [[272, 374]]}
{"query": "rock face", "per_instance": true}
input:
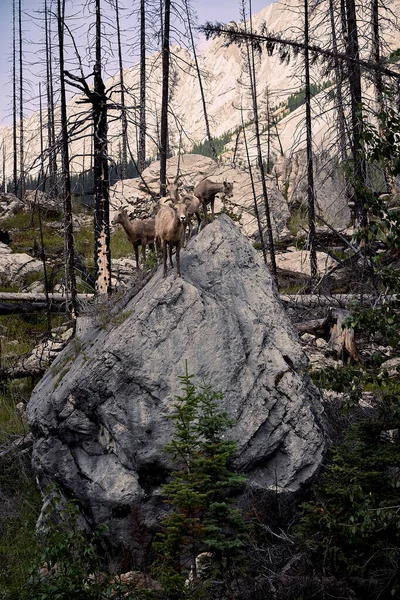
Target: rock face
{"points": [[14, 267], [99, 415]]}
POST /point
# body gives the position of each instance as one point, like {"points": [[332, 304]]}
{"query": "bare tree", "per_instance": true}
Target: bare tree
{"points": [[354, 78], [200, 79], [68, 223], [98, 100], [253, 89], [164, 98], [124, 121], [142, 109], [310, 167], [21, 108], [14, 76], [338, 78], [50, 103]]}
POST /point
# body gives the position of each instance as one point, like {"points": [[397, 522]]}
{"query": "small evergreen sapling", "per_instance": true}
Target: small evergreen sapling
{"points": [[204, 518]]}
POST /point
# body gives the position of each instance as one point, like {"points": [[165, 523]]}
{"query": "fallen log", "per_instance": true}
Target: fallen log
{"points": [[36, 297], [340, 300], [311, 326], [11, 308]]}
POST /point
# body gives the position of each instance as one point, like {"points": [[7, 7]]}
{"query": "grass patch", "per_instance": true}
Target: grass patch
{"points": [[25, 232], [12, 423], [120, 245], [21, 504], [297, 221]]}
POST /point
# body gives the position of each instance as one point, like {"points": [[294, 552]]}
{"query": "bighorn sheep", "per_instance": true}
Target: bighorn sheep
{"points": [[139, 232], [193, 205], [170, 223], [173, 189], [206, 190]]}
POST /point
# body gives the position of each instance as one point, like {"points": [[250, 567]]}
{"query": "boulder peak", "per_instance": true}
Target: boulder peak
{"points": [[99, 415]]}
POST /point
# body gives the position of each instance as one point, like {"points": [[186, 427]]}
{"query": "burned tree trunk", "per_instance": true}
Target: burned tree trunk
{"points": [[21, 110], [253, 88], [164, 99], [124, 121], [101, 176], [203, 98], [310, 167], [15, 149], [142, 109], [52, 187], [354, 77], [68, 226]]}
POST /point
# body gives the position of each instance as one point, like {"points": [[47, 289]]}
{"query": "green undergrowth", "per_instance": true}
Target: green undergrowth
{"points": [[24, 229], [351, 525], [120, 246], [20, 507]]}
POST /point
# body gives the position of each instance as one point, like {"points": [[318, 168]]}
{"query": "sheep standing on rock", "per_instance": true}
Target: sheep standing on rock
{"points": [[139, 232], [206, 190], [193, 206], [169, 228]]}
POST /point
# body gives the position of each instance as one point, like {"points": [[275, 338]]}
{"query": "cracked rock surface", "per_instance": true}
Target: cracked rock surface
{"points": [[99, 415]]}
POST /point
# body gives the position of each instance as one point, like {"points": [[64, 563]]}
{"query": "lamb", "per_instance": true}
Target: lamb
{"points": [[169, 227], [206, 190], [139, 232]]}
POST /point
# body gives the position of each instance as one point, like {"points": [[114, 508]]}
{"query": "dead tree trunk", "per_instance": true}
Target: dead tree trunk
{"points": [[15, 148], [310, 166], [124, 121], [339, 94], [354, 76], [164, 99], [257, 213], [101, 176], [142, 109], [253, 88], [68, 226], [52, 186], [203, 98], [21, 109]]}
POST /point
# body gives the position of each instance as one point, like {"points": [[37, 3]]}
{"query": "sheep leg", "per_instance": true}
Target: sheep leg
{"points": [[184, 235], [170, 254], [136, 249], [164, 248], [144, 252], [205, 212], [178, 259], [212, 208]]}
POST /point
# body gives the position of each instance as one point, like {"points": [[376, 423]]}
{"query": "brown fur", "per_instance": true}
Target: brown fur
{"points": [[206, 190], [169, 227], [140, 232]]}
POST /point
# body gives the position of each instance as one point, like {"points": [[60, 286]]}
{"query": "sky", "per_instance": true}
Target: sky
{"points": [[207, 10]]}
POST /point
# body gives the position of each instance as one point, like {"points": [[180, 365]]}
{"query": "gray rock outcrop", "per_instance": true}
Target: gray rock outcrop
{"points": [[99, 415], [15, 267]]}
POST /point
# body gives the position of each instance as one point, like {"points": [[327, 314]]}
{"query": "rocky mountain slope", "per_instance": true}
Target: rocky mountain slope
{"points": [[225, 82]]}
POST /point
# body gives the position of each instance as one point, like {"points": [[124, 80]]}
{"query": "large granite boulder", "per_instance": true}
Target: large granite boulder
{"points": [[100, 414]]}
